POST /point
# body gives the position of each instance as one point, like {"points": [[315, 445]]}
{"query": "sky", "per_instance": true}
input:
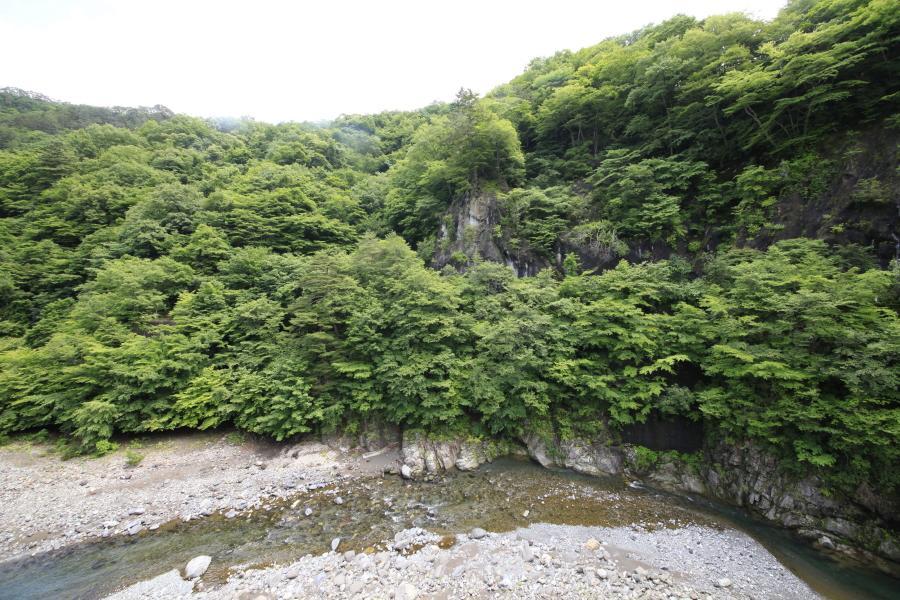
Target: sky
{"points": [[303, 60]]}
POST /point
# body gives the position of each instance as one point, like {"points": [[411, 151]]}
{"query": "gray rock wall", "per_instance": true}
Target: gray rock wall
{"points": [[423, 456]]}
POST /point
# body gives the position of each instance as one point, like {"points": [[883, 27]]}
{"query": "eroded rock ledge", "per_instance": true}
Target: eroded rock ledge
{"points": [[862, 525]]}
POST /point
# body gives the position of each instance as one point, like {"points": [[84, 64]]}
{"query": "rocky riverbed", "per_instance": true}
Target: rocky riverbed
{"points": [[265, 520], [540, 561], [47, 503]]}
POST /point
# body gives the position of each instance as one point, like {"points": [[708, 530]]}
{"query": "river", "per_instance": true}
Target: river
{"points": [[493, 497]]}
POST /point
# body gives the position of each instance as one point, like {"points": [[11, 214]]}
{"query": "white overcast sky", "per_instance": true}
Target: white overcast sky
{"points": [[301, 60]]}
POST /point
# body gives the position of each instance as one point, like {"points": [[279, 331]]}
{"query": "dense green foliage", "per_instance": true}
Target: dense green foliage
{"points": [[160, 272]]}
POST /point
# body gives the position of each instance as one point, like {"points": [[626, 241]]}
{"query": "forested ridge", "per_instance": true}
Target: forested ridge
{"points": [[713, 205]]}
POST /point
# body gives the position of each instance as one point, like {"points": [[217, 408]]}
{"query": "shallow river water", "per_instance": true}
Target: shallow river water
{"points": [[494, 498]]}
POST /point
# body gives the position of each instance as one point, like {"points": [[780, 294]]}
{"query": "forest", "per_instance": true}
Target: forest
{"points": [[709, 212]]}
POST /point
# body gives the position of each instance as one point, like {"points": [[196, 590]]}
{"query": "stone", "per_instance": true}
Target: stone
{"points": [[335, 543], [133, 527], [723, 583], [406, 591], [825, 542], [356, 587], [167, 585], [537, 449], [477, 533], [526, 552], [338, 500], [592, 544], [602, 574], [137, 510], [307, 511], [197, 566], [292, 573], [406, 471]]}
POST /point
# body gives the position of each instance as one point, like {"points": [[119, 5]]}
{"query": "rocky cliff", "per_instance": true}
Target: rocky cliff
{"points": [[849, 196], [467, 232]]}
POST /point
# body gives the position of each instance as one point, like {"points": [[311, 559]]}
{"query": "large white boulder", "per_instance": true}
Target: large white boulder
{"points": [[197, 567]]}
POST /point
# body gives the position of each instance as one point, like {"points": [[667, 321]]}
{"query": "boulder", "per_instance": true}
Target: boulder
{"points": [[162, 587], [197, 567]]}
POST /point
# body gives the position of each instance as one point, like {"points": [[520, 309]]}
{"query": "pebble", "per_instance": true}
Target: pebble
{"points": [[335, 543], [406, 591], [526, 552], [356, 587], [477, 533]]}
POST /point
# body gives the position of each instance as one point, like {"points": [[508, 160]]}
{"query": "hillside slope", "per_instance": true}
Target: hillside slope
{"points": [[707, 213]]}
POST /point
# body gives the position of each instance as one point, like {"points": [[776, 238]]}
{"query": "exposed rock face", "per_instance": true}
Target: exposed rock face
{"points": [[668, 474], [421, 455], [590, 458], [742, 475], [859, 205], [372, 436], [746, 476], [469, 229]]}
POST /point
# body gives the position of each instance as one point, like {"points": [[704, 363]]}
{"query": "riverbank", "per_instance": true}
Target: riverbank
{"points": [[540, 561], [47, 503], [268, 513]]}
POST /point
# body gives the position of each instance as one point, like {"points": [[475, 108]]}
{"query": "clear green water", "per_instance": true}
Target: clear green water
{"points": [[493, 497]]}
